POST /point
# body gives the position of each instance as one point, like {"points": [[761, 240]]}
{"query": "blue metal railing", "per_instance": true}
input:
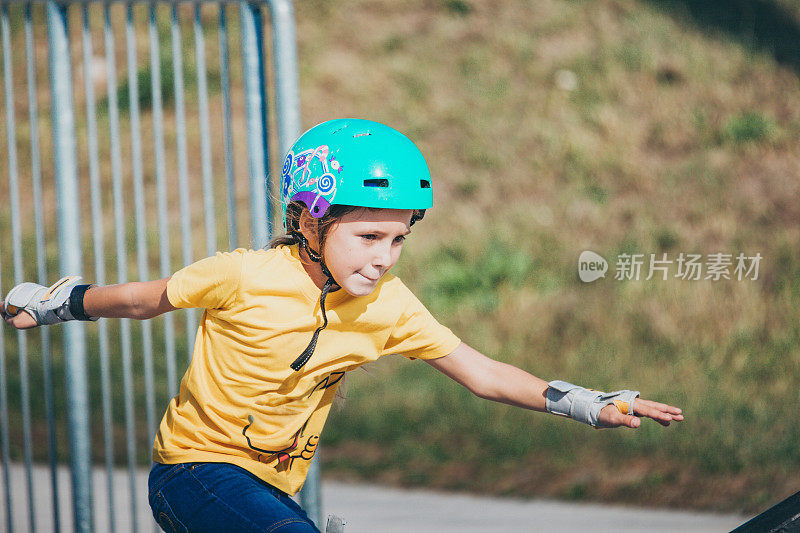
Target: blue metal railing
{"points": [[123, 180]]}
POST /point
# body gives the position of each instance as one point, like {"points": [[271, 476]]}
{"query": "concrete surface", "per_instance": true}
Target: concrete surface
{"points": [[371, 509], [393, 510]]}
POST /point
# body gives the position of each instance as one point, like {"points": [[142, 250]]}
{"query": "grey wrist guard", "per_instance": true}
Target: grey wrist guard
{"points": [[60, 302], [584, 405]]}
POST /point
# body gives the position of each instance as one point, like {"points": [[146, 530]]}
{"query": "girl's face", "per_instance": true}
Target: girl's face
{"points": [[364, 245]]}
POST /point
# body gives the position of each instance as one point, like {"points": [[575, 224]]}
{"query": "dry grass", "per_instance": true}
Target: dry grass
{"points": [[672, 141]]}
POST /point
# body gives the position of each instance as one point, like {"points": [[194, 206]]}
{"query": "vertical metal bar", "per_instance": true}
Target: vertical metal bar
{"points": [[9, 107], [140, 218], [224, 59], [16, 245], [161, 193], [41, 269], [4, 423], [287, 95], [311, 493], [66, 172], [205, 135], [183, 177], [257, 156], [287, 89], [99, 260], [122, 255]]}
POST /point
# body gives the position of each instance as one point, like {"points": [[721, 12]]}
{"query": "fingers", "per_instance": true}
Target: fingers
{"points": [[656, 405], [660, 412], [610, 415], [19, 320], [4, 313], [631, 421], [641, 406], [24, 321]]}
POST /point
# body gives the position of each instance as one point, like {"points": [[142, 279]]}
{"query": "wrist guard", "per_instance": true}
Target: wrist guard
{"points": [[584, 405], [60, 302]]}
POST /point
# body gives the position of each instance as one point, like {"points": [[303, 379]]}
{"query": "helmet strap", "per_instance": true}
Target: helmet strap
{"points": [[309, 351], [330, 286], [310, 252]]}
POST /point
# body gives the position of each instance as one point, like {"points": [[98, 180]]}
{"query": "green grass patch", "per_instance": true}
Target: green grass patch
{"points": [[748, 127]]}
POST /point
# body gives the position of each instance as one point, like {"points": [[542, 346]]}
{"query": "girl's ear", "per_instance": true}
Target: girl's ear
{"points": [[309, 227]]}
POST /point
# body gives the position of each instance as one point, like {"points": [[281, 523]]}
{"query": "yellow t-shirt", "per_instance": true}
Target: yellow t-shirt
{"points": [[261, 309]]}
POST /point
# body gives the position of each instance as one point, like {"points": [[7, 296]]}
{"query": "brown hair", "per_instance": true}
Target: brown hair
{"points": [[324, 224]]}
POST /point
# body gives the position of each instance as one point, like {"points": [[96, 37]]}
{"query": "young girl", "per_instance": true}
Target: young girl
{"points": [[282, 327]]}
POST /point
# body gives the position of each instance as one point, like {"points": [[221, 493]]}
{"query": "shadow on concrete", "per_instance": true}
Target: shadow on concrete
{"points": [[763, 25]]}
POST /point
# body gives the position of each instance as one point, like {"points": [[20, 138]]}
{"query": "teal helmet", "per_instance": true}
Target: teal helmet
{"points": [[355, 162]]}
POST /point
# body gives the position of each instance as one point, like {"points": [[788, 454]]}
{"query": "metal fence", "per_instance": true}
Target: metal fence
{"points": [[164, 119]]}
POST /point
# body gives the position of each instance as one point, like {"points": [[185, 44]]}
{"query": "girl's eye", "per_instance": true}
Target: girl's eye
{"points": [[369, 236], [399, 239]]}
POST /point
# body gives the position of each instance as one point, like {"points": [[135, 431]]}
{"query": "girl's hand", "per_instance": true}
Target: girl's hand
{"points": [[22, 320], [662, 413]]}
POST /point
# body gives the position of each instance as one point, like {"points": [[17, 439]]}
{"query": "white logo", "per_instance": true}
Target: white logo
{"points": [[591, 266]]}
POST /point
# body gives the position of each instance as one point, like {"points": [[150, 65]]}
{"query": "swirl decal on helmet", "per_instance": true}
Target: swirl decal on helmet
{"points": [[286, 175], [326, 183], [307, 177], [287, 165]]}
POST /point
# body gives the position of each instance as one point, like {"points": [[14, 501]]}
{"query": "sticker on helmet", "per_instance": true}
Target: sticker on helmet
{"points": [[307, 177], [325, 183]]}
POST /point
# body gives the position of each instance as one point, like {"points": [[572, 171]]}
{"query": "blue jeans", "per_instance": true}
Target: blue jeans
{"points": [[221, 497]]}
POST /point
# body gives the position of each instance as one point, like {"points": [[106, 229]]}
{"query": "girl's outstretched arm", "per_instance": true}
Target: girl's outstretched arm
{"points": [[139, 300], [501, 382]]}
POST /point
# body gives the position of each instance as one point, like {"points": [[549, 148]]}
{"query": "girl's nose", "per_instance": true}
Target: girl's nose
{"points": [[383, 257]]}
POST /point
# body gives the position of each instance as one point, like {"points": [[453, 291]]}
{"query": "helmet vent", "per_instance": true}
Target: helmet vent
{"points": [[424, 184], [362, 134], [378, 182]]}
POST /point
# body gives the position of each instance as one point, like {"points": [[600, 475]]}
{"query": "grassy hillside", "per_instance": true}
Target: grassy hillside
{"points": [[552, 128]]}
